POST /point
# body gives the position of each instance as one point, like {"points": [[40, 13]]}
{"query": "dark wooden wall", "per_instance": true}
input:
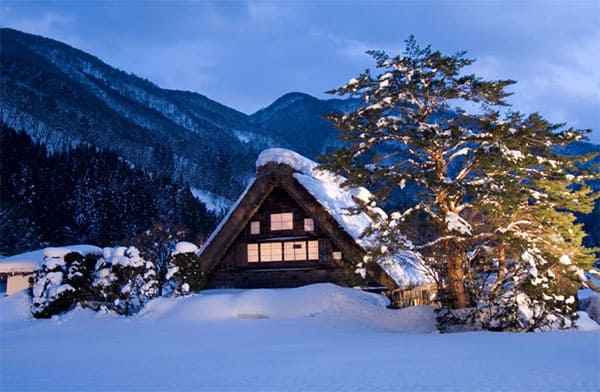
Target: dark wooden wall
{"points": [[235, 271]]}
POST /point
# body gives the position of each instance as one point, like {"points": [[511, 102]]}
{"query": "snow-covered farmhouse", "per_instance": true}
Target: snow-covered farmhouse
{"points": [[293, 226]]}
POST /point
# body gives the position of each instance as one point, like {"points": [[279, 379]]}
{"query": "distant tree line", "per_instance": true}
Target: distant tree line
{"points": [[86, 195]]}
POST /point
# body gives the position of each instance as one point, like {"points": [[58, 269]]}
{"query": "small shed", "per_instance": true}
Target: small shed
{"points": [[293, 226], [16, 270]]}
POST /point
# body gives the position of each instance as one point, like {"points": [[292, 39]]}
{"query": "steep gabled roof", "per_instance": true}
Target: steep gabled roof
{"points": [[326, 188], [315, 191]]}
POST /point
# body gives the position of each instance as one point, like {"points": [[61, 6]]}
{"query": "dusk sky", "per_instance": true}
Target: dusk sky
{"points": [[247, 54]]}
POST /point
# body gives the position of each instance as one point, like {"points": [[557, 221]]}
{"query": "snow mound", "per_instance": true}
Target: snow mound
{"points": [[591, 306], [26, 262], [121, 255], [585, 323], [323, 300], [14, 309], [185, 247]]}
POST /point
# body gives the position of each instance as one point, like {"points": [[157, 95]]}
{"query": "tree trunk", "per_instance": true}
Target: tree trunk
{"points": [[501, 262], [456, 276]]}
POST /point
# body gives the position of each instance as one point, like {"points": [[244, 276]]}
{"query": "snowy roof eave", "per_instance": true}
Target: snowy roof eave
{"points": [[27, 262]]}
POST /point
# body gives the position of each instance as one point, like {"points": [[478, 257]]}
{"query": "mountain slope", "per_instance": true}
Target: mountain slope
{"points": [[296, 120], [64, 97]]}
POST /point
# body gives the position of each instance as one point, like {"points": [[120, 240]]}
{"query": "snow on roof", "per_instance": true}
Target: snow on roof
{"points": [[26, 262], [407, 269], [286, 157], [326, 188]]}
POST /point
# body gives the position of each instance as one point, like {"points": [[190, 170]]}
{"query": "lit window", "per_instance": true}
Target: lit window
{"points": [[309, 224], [271, 251], [253, 253], [255, 227], [284, 221], [337, 255], [295, 250], [313, 250]]}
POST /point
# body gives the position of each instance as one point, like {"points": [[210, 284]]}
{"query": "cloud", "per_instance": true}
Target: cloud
{"points": [[47, 23], [246, 54]]}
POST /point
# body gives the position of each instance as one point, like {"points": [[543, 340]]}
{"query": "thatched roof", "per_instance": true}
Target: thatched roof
{"points": [[321, 195]]}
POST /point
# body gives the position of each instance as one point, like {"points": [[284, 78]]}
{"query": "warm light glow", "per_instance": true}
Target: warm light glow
{"points": [[253, 253], [295, 250], [309, 224], [280, 251], [313, 250], [283, 221], [271, 251]]}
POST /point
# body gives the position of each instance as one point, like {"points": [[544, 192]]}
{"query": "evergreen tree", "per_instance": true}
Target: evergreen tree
{"points": [[184, 274], [494, 195], [157, 244], [124, 281], [84, 195]]}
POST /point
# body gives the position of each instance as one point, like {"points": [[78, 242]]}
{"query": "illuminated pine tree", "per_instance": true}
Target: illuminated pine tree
{"points": [[478, 175]]}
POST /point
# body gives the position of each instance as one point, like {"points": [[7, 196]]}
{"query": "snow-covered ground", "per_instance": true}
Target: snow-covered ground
{"points": [[319, 337]]}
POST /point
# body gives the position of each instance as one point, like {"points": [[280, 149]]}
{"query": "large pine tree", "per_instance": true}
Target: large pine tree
{"points": [[493, 193]]}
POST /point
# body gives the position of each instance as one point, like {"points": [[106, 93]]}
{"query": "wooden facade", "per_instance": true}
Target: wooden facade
{"points": [[278, 235]]}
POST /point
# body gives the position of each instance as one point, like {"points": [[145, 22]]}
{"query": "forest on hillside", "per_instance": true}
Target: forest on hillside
{"points": [[87, 195]]}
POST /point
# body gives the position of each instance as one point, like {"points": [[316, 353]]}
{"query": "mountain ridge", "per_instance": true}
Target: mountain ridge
{"points": [[63, 96]]}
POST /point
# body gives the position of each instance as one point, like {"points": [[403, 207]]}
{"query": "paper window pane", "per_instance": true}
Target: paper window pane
{"points": [[295, 251], [309, 224], [253, 253], [271, 251], [283, 221], [255, 227], [313, 250]]}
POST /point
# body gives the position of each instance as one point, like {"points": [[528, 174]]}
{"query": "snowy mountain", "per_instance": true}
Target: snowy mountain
{"points": [[296, 119], [63, 97]]}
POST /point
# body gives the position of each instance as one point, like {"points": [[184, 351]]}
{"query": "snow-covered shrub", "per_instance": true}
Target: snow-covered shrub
{"points": [[123, 281], [184, 274], [535, 295], [60, 282], [158, 243]]}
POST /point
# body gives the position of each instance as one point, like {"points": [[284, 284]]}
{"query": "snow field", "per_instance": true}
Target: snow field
{"points": [[319, 337]]}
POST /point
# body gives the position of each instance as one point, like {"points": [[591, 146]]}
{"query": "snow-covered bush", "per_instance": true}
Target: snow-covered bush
{"points": [[534, 295], [184, 274], [123, 281], [61, 281]]}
